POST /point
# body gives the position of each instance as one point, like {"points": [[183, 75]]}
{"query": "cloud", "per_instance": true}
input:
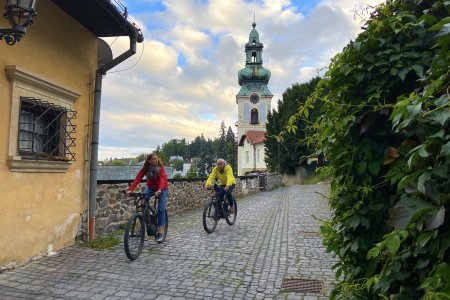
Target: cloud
{"points": [[182, 81]]}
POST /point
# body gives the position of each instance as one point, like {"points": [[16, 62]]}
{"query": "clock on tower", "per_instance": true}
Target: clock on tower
{"points": [[254, 98]]}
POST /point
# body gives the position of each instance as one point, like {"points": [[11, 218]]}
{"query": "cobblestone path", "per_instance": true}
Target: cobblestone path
{"points": [[276, 238]]}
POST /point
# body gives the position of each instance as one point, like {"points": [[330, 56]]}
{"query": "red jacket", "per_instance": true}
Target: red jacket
{"points": [[156, 184]]}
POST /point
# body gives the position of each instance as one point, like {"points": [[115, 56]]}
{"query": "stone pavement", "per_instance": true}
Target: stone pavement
{"points": [[275, 238]]}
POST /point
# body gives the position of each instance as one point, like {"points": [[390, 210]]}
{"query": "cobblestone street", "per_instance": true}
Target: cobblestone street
{"points": [[276, 237]]}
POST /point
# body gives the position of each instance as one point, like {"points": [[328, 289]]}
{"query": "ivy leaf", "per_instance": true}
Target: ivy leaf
{"points": [[421, 182], [445, 244], [418, 69], [432, 191], [442, 100], [361, 167], [444, 31], [352, 222], [393, 243], [423, 238], [445, 149], [434, 218], [359, 76], [373, 253], [407, 210], [440, 117], [374, 167], [421, 263], [439, 134], [376, 206], [402, 73]]}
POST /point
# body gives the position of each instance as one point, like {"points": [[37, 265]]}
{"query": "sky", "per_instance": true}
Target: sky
{"points": [[182, 82]]}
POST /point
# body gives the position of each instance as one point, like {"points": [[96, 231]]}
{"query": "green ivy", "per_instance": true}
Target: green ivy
{"points": [[385, 130]]}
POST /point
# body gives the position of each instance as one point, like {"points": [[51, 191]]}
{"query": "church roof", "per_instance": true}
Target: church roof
{"points": [[253, 137], [117, 172]]}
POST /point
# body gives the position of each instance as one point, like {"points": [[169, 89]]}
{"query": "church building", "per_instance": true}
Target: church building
{"points": [[254, 103]]}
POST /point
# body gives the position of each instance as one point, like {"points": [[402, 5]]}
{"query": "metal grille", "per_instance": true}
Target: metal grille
{"points": [[46, 130], [302, 285]]}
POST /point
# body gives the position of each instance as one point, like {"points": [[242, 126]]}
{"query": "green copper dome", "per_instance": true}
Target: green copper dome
{"points": [[253, 38], [254, 73]]}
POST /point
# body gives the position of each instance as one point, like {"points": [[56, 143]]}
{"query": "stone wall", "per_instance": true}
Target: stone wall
{"points": [[114, 208]]}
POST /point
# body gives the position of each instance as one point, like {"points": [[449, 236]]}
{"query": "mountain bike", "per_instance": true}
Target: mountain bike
{"points": [[216, 209], [145, 219]]}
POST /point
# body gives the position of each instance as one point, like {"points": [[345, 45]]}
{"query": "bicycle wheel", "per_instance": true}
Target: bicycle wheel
{"points": [[133, 238], [210, 216], [231, 216]]}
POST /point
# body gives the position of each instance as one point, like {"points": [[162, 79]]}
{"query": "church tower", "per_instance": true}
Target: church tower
{"points": [[254, 103]]}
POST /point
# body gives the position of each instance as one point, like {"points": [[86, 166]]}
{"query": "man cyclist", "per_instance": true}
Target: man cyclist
{"points": [[224, 173]]}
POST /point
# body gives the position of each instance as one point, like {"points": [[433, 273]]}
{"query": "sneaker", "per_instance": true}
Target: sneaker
{"points": [[159, 238]]}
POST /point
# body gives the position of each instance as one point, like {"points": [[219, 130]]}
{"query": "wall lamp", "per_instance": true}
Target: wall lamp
{"points": [[20, 15]]}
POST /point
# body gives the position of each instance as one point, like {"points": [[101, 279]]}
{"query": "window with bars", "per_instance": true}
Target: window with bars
{"points": [[45, 130]]}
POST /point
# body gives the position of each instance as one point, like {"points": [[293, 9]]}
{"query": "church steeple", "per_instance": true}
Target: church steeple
{"points": [[254, 103], [254, 77]]}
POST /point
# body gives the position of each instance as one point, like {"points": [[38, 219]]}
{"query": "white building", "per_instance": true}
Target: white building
{"points": [[254, 103]]}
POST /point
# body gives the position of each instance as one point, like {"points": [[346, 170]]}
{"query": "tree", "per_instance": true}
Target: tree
{"points": [[117, 162], [192, 173], [221, 142], [289, 151], [177, 176], [231, 149], [177, 164], [142, 157]]}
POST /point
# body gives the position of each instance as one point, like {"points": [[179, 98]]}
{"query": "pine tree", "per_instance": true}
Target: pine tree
{"points": [[221, 143], [231, 149]]}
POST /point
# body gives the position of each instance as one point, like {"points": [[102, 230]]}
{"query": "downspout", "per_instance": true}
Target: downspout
{"points": [[254, 158], [135, 36]]}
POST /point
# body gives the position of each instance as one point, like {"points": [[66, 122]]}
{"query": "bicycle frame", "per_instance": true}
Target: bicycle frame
{"points": [[216, 209], [144, 218], [143, 206]]}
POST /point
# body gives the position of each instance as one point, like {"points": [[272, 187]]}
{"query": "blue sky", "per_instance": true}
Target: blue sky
{"points": [[182, 81]]}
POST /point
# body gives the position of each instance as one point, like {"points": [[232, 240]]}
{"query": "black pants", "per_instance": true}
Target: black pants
{"points": [[223, 193]]}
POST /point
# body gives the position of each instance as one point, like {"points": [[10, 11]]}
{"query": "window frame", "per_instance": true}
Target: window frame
{"points": [[50, 136], [254, 116], [30, 85]]}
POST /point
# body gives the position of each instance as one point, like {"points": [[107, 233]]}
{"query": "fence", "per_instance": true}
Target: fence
{"points": [[114, 208]]}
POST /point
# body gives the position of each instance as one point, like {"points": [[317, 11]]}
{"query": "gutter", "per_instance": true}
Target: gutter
{"points": [[135, 36]]}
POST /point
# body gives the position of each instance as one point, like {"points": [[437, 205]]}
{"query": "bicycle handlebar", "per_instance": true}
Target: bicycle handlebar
{"points": [[137, 194], [214, 187]]}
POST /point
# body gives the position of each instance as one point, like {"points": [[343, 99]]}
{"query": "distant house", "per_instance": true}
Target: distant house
{"points": [[170, 172], [252, 148], [186, 167], [127, 173], [176, 158], [117, 172]]}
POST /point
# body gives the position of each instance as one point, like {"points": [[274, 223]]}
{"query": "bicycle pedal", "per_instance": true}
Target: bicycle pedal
{"points": [[150, 231]]}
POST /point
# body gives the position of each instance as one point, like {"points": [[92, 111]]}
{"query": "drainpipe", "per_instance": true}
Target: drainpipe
{"points": [[135, 36]]}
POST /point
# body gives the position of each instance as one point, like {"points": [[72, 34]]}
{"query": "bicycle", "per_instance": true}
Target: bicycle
{"points": [[212, 212], [145, 219]]}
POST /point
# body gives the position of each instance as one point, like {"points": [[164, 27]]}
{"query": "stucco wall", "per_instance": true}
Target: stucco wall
{"points": [[40, 211], [114, 208]]}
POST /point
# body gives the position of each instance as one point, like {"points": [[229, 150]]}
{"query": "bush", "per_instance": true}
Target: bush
{"points": [[385, 129]]}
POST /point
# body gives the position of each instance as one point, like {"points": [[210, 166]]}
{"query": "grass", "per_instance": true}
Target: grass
{"points": [[104, 242], [315, 178]]}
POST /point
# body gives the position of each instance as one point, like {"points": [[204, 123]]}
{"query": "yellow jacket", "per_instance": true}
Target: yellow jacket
{"points": [[225, 177]]}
